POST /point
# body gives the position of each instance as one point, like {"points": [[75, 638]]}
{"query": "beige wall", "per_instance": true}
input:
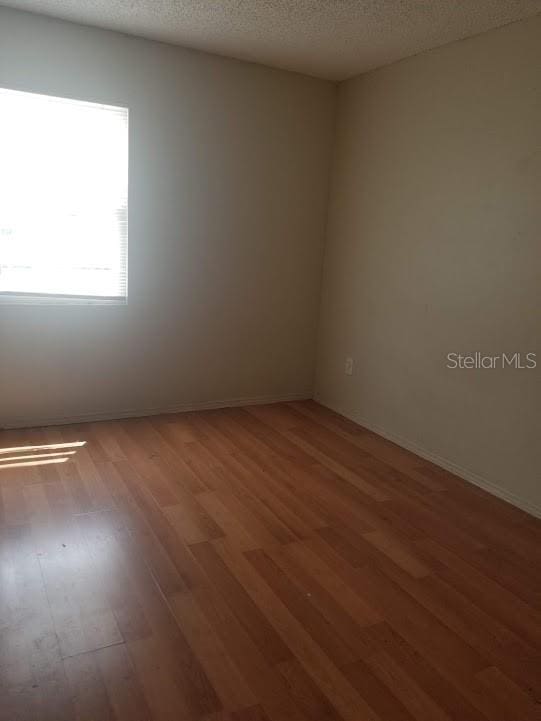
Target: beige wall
{"points": [[433, 243], [434, 247], [228, 191]]}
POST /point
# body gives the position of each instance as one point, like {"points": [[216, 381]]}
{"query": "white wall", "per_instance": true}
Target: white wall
{"points": [[433, 243], [434, 247], [228, 192]]}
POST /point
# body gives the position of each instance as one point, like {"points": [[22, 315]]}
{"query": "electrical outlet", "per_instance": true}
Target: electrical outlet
{"points": [[348, 368]]}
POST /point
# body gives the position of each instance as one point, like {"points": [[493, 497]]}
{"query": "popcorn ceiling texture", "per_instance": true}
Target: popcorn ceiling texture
{"points": [[333, 39]]}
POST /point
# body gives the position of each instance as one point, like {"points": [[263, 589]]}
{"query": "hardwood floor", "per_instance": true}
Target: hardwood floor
{"points": [[272, 563]]}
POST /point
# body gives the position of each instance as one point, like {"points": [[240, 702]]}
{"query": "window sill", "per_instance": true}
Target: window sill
{"points": [[57, 300]]}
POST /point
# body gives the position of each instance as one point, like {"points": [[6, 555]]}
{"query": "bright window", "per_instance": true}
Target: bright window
{"points": [[63, 200]]}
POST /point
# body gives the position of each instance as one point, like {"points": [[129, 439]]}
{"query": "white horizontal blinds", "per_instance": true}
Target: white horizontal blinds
{"points": [[63, 197]]}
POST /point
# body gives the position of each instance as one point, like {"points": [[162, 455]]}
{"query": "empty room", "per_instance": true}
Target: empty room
{"points": [[270, 360]]}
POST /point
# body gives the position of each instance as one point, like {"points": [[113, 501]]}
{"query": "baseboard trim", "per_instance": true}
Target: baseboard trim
{"points": [[496, 490], [158, 410]]}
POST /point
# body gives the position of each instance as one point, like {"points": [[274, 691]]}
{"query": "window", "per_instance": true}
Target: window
{"points": [[63, 200]]}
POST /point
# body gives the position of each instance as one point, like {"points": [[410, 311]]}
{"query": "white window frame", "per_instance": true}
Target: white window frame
{"points": [[41, 298]]}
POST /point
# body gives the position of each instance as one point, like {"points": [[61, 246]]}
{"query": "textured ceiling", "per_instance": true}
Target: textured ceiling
{"points": [[328, 38]]}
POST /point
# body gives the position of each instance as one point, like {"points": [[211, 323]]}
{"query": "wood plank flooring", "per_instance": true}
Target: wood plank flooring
{"points": [[271, 563]]}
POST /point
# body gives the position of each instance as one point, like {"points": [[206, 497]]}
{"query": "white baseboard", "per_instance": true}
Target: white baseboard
{"points": [[496, 490], [141, 412]]}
